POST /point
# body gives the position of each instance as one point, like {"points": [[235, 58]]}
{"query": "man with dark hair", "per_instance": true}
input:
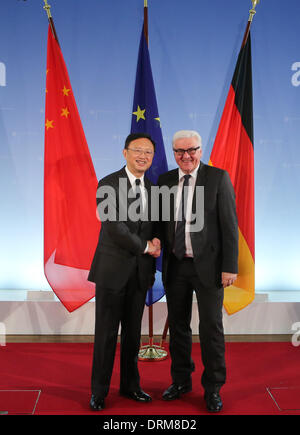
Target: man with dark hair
{"points": [[123, 269], [133, 136]]}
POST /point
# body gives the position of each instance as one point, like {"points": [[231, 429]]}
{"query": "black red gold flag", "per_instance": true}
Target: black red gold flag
{"points": [[233, 151]]}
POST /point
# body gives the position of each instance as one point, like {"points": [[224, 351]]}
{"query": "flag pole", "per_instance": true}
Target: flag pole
{"points": [[146, 21], [147, 40], [150, 352], [47, 8], [239, 99], [252, 12]]}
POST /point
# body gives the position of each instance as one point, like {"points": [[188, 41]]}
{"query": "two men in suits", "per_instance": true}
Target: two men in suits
{"points": [[203, 259], [123, 269]]}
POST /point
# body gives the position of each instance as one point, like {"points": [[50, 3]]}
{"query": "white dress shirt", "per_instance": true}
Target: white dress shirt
{"points": [[191, 188], [132, 179]]}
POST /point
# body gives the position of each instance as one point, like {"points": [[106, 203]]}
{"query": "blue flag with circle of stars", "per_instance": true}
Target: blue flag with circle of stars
{"points": [[145, 119]]}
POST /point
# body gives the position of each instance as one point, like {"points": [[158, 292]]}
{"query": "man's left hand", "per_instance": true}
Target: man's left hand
{"points": [[228, 278]]}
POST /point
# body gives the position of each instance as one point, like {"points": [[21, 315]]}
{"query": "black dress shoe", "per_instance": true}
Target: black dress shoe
{"points": [[176, 390], [97, 403], [139, 395], [213, 402]]}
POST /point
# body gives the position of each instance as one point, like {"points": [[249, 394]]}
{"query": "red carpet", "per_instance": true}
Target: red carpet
{"points": [[48, 378]]}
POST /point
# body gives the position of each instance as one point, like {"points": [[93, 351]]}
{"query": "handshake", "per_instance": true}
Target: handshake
{"points": [[154, 247]]}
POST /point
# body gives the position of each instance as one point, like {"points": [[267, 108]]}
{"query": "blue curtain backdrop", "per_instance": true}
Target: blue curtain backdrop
{"points": [[193, 48]]}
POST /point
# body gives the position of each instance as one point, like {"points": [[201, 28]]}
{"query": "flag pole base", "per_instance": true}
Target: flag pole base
{"points": [[152, 353]]}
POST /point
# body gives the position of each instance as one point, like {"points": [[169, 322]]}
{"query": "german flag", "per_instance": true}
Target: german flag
{"points": [[233, 151]]}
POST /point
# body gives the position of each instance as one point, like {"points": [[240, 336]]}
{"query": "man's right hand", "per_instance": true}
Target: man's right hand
{"points": [[154, 247]]}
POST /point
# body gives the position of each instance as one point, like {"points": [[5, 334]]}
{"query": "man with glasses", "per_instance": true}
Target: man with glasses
{"points": [[203, 260], [123, 269]]}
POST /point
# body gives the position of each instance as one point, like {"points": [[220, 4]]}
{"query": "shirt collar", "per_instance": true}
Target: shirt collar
{"points": [[132, 177], [193, 173]]}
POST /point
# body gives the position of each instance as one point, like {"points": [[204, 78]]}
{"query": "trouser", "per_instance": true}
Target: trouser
{"points": [[123, 307], [182, 280]]}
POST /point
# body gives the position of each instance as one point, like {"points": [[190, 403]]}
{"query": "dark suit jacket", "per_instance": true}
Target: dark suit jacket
{"points": [[122, 243], [215, 247]]}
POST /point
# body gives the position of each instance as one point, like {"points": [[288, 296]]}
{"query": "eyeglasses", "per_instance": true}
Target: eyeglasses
{"points": [[180, 152], [139, 152]]}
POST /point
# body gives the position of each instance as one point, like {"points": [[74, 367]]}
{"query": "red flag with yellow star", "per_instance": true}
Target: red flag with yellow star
{"points": [[71, 228]]}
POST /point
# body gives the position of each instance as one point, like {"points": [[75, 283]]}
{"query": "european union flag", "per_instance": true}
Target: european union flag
{"points": [[145, 118]]}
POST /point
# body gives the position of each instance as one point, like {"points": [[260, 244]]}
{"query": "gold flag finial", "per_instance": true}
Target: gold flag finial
{"points": [[145, 3], [47, 8], [253, 11]]}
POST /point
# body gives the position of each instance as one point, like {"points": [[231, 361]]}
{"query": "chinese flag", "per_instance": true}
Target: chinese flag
{"points": [[233, 151], [71, 228]]}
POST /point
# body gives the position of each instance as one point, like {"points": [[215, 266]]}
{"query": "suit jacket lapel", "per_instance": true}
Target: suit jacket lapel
{"points": [[147, 210], [197, 236], [125, 200], [172, 182], [200, 181]]}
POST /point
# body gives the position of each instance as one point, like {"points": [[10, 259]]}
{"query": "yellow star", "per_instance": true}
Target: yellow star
{"points": [[139, 114], [65, 112], [66, 91], [158, 120], [49, 124]]}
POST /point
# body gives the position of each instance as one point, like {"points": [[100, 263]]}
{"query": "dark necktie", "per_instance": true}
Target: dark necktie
{"points": [[138, 195], [179, 243]]}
